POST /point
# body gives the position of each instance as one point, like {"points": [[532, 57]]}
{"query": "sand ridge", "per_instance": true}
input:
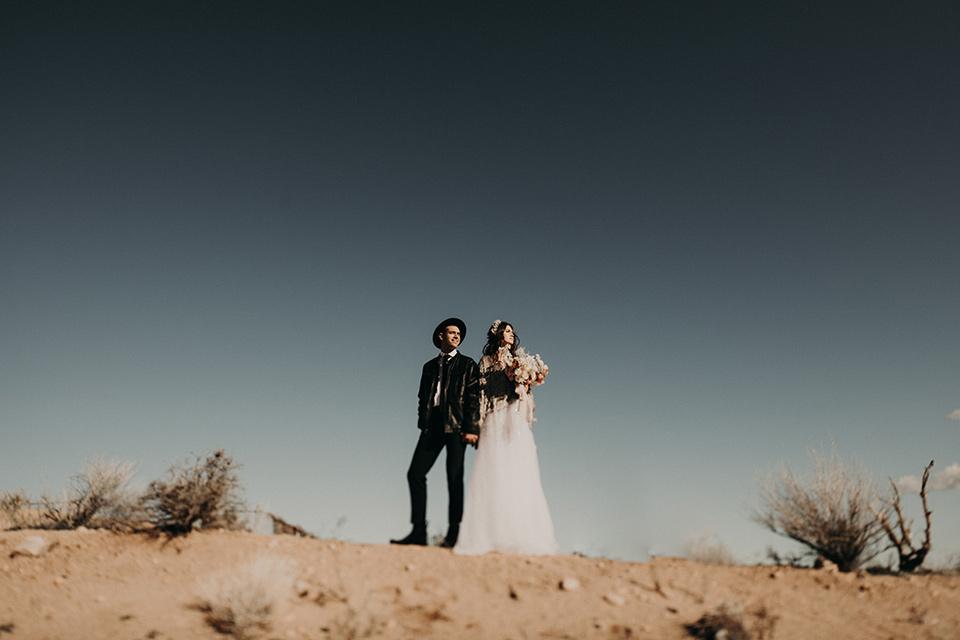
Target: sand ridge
{"points": [[97, 584]]}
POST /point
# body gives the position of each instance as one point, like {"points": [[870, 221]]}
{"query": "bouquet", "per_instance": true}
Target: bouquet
{"points": [[526, 370]]}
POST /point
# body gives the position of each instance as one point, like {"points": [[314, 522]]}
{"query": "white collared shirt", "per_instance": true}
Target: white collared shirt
{"points": [[436, 390]]}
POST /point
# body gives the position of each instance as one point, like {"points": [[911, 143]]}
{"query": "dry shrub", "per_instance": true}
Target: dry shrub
{"points": [[198, 493], [241, 600], [828, 512], [98, 496], [15, 507]]}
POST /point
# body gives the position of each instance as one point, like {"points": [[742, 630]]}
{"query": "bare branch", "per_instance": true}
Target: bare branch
{"points": [[910, 556]]}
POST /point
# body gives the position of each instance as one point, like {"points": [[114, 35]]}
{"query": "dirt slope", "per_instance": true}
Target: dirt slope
{"points": [[101, 585]]}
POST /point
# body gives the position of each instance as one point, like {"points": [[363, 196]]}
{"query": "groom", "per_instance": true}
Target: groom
{"points": [[448, 416]]}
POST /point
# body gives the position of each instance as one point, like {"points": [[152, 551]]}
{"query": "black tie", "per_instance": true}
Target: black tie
{"points": [[444, 359]]}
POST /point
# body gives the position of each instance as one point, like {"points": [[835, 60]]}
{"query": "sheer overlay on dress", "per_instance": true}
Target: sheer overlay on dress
{"points": [[505, 508]]}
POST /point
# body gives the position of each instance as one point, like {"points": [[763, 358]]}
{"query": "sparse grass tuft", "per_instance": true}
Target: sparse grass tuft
{"points": [[801, 559], [918, 614], [436, 539], [765, 624], [727, 622], [952, 566], [724, 623], [241, 600], [708, 550], [352, 625], [198, 493]]}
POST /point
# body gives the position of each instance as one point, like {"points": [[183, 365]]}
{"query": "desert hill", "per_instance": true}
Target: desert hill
{"points": [[97, 585]]}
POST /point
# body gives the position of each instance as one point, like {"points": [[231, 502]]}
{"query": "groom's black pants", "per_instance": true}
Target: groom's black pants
{"points": [[432, 441]]}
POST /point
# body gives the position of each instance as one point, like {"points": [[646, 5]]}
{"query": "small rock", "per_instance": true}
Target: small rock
{"points": [[303, 589], [776, 575], [58, 581], [82, 529], [34, 546], [569, 584], [409, 567], [615, 599]]}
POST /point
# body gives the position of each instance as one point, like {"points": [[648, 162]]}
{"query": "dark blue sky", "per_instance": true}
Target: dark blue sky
{"points": [[731, 232]]}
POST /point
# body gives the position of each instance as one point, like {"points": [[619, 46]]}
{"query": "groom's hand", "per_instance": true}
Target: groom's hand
{"points": [[470, 438]]}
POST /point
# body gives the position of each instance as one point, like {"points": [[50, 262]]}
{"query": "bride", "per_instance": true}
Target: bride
{"points": [[505, 509]]}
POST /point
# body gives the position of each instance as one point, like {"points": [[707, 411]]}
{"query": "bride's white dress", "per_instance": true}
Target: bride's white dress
{"points": [[505, 508]]}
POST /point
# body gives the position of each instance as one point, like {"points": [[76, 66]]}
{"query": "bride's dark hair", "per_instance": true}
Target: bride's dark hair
{"points": [[495, 339]]}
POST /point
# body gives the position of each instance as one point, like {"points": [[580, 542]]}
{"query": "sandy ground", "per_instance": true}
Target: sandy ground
{"points": [[100, 585]]}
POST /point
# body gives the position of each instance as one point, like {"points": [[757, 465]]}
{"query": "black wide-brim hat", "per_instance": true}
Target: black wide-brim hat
{"points": [[446, 323]]}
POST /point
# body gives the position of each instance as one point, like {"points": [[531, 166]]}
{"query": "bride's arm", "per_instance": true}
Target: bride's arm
{"points": [[486, 363]]}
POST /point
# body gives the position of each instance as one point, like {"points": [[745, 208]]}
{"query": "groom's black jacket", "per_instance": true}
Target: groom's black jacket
{"points": [[461, 406]]}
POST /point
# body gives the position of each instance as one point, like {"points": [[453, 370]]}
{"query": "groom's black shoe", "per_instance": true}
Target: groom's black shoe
{"points": [[417, 536], [451, 540]]}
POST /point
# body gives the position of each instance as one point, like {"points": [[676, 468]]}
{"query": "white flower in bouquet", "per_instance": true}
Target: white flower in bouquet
{"points": [[505, 357], [527, 370]]}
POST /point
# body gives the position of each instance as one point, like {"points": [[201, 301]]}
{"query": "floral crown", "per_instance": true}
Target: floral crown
{"points": [[496, 325]]}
